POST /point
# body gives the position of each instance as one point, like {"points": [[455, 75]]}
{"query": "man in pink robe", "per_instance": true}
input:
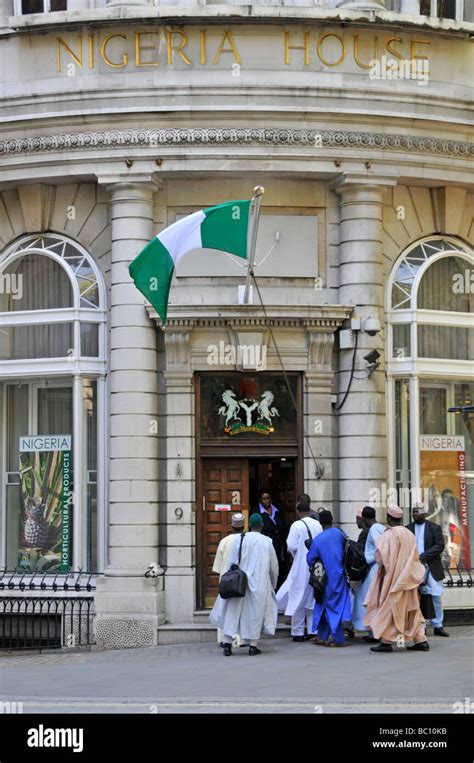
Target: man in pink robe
{"points": [[393, 604]]}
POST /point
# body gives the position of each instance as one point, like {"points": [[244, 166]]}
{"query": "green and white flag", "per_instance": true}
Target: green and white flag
{"points": [[222, 227]]}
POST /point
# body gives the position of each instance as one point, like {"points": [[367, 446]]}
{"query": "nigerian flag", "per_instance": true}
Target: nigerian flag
{"points": [[222, 227]]}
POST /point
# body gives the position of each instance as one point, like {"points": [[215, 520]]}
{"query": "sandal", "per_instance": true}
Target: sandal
{"points": [[318, 641], [334, 644]]}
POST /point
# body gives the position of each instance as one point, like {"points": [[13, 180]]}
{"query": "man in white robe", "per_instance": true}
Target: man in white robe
{"points": [[221, 561], [295, 597], [256, 612]]}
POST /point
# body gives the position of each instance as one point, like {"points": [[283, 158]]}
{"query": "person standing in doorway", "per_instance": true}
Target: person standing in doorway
{"points": [[430, 544], [295, 597], [275, 528]]}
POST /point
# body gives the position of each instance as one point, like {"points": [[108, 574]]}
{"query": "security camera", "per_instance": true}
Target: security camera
{"points": [[371, 326], [373, 362], [372, 357]]}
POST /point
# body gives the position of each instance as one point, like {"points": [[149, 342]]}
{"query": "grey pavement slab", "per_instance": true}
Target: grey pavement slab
{"points": [[286, 677]]}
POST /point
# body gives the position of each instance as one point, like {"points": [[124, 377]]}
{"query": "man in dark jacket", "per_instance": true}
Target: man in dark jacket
{"points": [[430, 543], [274, 527]]}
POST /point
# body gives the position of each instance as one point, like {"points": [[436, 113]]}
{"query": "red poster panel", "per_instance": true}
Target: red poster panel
{"points": [[443, 482]]}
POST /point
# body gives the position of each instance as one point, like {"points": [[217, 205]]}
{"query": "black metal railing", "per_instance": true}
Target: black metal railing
{"points": [[46, 622], [22, 580], [459, 581]]}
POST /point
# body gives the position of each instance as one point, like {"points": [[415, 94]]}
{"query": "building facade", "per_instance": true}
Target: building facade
{"points": [[118, 118]]}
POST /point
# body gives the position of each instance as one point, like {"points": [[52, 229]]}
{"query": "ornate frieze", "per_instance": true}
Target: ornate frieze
{"points": [[239, 137]]}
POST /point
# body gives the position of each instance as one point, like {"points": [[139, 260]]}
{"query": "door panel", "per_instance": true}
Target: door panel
{"points": [[223, 482]]}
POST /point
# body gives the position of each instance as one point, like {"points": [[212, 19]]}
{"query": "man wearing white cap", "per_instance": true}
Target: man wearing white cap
{"points": [[393, 605], [221, 562]]}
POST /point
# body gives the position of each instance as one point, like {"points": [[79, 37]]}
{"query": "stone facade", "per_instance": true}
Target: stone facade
{"points": [[133, 115]]}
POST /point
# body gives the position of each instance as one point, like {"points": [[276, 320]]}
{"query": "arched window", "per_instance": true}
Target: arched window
{"points": [[52, 389], [430, 367]]}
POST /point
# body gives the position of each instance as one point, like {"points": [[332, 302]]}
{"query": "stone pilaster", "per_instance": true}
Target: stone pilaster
{"points": [[129, 606], [177, 478], [362, 422], [319, 446]]}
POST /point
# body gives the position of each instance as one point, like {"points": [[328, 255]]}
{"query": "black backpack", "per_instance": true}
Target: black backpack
{"points": [[355, 566]]}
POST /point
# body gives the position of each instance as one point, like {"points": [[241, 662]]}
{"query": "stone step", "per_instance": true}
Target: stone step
{"points": [[195, 633], [202, 616]]}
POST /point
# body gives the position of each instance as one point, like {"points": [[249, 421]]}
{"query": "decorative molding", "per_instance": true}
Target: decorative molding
{"points": [[238, 137], [321, 345], [330, 322], [178, 356]]}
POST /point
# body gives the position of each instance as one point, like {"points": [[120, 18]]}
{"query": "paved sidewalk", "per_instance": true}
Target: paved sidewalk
{"points": [[286, 677]]}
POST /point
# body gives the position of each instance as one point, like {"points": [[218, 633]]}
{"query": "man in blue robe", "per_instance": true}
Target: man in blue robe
{"points": [[335, 607]]}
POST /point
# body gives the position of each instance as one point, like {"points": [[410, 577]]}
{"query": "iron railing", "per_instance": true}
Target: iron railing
{"points": [[21, 579], [46, 622], [460, 581]]}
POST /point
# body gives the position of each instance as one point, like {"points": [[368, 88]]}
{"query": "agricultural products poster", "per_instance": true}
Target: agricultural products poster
{"points": [[443, 478], [45, 503]]}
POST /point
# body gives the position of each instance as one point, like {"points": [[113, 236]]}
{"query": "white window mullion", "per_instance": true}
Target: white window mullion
{"points": [[391, 467], [77, 466], [102, 470], [415, 432], [3, 497]]}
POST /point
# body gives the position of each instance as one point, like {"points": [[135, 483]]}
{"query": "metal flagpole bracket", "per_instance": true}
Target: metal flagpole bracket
{"points": [[258, 192]]}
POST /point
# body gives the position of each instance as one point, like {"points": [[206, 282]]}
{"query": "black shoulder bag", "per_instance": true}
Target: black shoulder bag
{"points": [[317, 573], [233, 583]]}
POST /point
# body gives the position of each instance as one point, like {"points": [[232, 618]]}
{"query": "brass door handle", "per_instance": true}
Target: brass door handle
{"points": [[204, 503]]}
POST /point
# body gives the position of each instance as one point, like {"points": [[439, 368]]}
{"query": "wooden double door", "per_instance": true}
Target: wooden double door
{"points": [[228, 485]]}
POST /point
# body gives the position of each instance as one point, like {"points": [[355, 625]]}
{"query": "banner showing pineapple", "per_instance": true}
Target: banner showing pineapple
{"points": [[45, 503]]}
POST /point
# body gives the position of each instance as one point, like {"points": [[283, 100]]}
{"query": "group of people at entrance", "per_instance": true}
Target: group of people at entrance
{"points": [[402, 568]]}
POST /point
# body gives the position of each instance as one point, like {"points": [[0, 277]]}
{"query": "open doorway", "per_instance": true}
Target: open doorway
{"points": [[278, 475]]}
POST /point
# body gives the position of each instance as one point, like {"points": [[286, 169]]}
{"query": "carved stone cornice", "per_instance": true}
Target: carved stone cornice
{"points": [[240, 317], [203, 136]]}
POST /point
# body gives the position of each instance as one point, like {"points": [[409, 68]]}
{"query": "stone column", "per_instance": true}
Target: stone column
{"points": [[362, 419], [129, 606]]}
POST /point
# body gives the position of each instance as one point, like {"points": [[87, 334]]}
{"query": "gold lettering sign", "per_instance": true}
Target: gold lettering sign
{"points": [[103, 52], [208, 47]]}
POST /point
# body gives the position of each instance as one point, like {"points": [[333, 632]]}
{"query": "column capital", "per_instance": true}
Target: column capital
{"points": [[360, 181], [130, 181]]}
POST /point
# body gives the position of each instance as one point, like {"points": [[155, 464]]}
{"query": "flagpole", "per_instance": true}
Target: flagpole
{"points": [[258, 192]]}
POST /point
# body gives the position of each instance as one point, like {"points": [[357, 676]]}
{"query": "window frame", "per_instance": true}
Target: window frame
{"points": [[420, 370], [73, 371], [46, 8]]}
